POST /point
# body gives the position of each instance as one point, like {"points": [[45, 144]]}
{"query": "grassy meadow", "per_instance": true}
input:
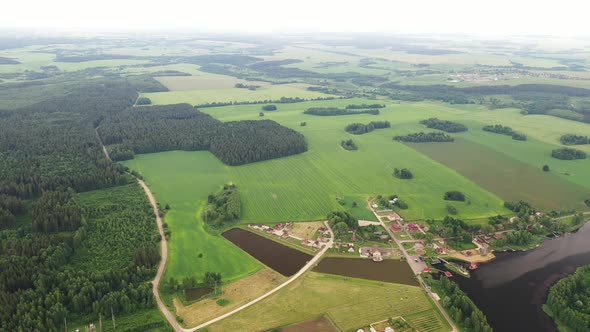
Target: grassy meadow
{"points": [[184, 180], [230, 94]]}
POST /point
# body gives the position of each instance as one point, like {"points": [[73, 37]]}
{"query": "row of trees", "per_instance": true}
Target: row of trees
{"points": [[181, 127], [572, 139], [444, 125], [364, 106], [422, 137], [568, 154], [360, 128], [505, 130], [332, 111]]}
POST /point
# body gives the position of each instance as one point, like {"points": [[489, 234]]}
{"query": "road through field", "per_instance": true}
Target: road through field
{"points": [[304, 269]]}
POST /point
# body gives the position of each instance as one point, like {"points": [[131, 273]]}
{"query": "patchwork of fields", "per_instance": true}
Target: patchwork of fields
{"points": [[350, 303]]}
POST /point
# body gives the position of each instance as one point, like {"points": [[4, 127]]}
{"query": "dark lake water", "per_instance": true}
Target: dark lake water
{"points": [[285, 260], [196, 293], [512, 289], [389, 270]]}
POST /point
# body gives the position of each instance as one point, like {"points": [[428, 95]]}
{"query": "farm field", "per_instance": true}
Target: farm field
{"points": [[204, 81], [237, 293], [505, 176], [196, 97], [350, 303], [184, 180]]}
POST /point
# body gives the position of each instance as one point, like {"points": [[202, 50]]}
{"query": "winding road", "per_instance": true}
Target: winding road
{"points": [[164, 258]]}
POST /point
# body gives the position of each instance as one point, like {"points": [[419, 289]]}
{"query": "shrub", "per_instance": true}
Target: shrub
{"points": [[451, 209], [545, 168], [269, 107], [454, 196], [403, 173]]}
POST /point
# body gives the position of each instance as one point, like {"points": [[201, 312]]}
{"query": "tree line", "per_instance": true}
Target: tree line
{"points": [[360, 128], [572, 139], [423, 137], [505, 130], [331, 111], [181, 127], [444, 125], [568, 154]]}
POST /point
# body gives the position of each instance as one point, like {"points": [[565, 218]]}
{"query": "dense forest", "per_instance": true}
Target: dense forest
{"points": [[63, 257], [460, 307], [360, 128], [328, 111], [444, 125], [422, 137], [568, 154], [571, 139], [568, 300], [505, 130], [531, 98], [224, 207], [181, 127]]}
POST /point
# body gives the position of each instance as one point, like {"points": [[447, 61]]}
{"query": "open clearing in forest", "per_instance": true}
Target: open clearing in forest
{"points": [[204, 81], [232, 94], [237, 293], [350, 303]]}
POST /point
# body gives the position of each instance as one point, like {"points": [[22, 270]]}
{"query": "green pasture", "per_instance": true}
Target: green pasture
{"points": [[183, 180], [196, 97]]}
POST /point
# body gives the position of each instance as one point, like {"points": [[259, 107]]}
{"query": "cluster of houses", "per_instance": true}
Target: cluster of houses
{"points": [[280, 230], [411, 227], [283, 231]]}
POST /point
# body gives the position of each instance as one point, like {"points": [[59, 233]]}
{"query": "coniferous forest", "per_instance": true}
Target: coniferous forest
{"points": [[181, 127]]}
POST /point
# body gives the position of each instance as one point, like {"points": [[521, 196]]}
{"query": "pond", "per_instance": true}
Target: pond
{"points": [[389, 270], [285, 260], [192, 294], [512, 289]]}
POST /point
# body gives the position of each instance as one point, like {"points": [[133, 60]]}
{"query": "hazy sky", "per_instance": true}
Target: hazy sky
{"points": [[489, 17]]}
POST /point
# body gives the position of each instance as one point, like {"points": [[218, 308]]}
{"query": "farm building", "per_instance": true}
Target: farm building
{"points": [[396, 227], [394, 217]]}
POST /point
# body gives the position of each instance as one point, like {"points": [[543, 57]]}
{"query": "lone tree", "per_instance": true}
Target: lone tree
{"points": [[546, 168], [261, 114]]}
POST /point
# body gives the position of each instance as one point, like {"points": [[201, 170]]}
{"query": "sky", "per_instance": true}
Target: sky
{"points": [[483, 17]]}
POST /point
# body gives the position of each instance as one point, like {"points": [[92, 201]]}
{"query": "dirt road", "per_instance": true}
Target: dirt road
{"points": [[163, 245]]}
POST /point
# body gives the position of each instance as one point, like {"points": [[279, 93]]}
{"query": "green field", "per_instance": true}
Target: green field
{"points": [[505, 176], [184, 180], [195, 97], [350, 303]]}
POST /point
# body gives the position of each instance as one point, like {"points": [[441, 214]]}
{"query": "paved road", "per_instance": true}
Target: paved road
{"points": [[417, 268]]}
